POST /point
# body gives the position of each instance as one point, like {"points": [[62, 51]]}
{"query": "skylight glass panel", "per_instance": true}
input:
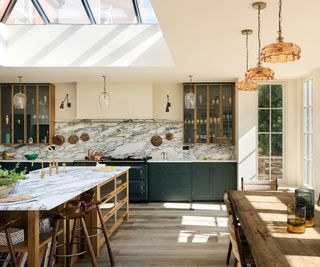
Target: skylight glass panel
{"points": [[113, 11], [24, 12], [146, 12], [65, 11], [3, 6]]}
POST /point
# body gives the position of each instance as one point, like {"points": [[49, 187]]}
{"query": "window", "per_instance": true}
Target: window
{"points": [[270, 131], [77, 12], [307, 131]]}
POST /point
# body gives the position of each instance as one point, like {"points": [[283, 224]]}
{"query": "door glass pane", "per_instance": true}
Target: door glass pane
{"points": [[146, 12], [24, 12], [276, 144], [264, 96], [201, 105], [6, 101], [263, 140], [227, 112], [65, 12], [31, 114], [44, 113], [3, 6], [263, 118], [214, 113], [276, 96], [276, 168], [18, 119], [188, 118], [263, 168], [113, 11], [276, 120]]}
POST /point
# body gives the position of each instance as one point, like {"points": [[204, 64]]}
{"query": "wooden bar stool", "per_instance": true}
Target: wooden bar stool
{"points": [[5, 228], [72, 211], [90, 204]]}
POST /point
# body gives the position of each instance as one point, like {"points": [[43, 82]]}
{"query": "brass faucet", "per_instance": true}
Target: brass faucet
{"points": [[42, 170], [54, 163]]}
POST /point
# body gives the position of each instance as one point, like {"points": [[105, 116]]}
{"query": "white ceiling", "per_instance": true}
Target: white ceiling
{"points": [[204, 39]]}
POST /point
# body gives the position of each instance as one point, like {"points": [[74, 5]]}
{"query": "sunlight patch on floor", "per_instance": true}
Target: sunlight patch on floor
{"points": [[204, 221], [194, 206]]}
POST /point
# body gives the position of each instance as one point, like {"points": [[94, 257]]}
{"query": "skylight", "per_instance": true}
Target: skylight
{"points": [[77, 12]]}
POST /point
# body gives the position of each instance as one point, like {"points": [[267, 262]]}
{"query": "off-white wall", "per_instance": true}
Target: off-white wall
{"points": [[3, 41], [292, 126], [175, 92], [61, 89], [127, 101], [87, 45], [247, 117]]}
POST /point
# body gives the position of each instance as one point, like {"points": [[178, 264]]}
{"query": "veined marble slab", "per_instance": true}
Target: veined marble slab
{"points": [[55, 190]]}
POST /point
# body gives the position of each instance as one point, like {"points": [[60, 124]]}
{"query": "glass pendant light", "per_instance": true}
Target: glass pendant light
{"points": [[247, 85], [19, 99], [280, 51], [104, 97], [259, 72], [190, 98]]}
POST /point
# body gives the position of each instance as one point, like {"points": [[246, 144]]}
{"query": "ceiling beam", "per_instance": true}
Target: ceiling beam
{"points": [[41, 12], [88, 10], [137, 11], [8, 11]]}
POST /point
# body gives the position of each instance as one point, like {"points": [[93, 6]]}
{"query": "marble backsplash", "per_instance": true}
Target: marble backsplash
{"points": [[124, 138]]}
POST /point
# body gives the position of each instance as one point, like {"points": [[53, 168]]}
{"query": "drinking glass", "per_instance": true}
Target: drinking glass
{"points": [[305, 196], [296, 218]]}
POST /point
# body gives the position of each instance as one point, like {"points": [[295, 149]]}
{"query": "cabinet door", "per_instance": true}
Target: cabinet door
{"points": [[188, 117], [224, 178], [201, 181], [227, 113], [169, 182], [6, 114], [32, 111], [19, 119], [44, 114]]}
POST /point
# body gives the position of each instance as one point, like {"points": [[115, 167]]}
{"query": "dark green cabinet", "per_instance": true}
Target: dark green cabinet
{"points": [[205, 181], [169, 182], [210, 180]]}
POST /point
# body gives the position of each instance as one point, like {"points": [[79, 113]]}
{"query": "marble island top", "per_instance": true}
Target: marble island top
{"points": [[55, 190]]}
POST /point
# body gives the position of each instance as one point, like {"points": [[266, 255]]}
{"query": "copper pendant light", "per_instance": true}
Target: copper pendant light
{"points": [[247, 85], [280, 51], [259, 72]]}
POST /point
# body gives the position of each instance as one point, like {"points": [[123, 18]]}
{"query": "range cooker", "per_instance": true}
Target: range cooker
{"points": [[138, 174]]}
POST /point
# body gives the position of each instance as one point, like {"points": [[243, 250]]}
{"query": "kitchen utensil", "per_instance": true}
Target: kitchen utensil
{"points": [[73, 138], [169, 136], [84, 137], [32, 156], [156, 140], [58, 138]]}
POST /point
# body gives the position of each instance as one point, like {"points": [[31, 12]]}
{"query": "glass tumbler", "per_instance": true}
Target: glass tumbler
{"points": [[296, 218], [305, 196]]}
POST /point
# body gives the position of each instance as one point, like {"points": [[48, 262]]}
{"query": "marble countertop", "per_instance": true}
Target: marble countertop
{"points": [[37, 160], [55, 190]]}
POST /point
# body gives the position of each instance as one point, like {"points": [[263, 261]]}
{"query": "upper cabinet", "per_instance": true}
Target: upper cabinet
{"points": [[209, 113], [35, 123]]}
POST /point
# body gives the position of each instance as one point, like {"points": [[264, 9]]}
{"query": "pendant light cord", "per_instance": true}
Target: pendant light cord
{"points": [[280, 21], [190, 76], [104, 84], [247, 52], [20, 77], [259, 34]]}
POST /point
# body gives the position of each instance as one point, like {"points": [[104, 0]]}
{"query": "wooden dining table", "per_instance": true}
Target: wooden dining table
{"points": [[263, 217]]}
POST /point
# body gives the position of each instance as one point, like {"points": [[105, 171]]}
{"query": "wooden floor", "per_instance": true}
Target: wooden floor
{"points": [[170, 234]]}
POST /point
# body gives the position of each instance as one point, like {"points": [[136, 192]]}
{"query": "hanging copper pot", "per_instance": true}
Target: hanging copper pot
{"points": [[156, 140]]}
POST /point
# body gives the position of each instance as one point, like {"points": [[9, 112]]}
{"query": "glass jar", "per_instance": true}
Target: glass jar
{"points": [[305, 196]]}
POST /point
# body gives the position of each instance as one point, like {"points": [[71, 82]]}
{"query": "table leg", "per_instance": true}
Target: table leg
{"points": [[33, 238]]}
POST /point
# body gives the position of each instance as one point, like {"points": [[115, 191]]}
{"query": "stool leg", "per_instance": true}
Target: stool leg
{"points": [[105, 236], [68, 246], [88, 242], [229, 253], [53, 242], [12, 254]]}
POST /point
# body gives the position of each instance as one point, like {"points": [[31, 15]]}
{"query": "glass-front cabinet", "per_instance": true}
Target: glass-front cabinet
{"points": [[35, 123], [210, 118]]}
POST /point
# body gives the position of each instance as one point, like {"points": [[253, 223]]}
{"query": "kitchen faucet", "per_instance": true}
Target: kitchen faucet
{"points": [[164, 155], [54, 163]]}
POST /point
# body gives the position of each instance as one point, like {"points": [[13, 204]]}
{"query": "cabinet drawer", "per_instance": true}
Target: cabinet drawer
{"points": [[169, 168], [178, 180]]}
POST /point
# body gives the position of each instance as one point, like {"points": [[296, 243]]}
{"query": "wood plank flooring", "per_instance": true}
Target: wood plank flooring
{"points": [[170, 234]]}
